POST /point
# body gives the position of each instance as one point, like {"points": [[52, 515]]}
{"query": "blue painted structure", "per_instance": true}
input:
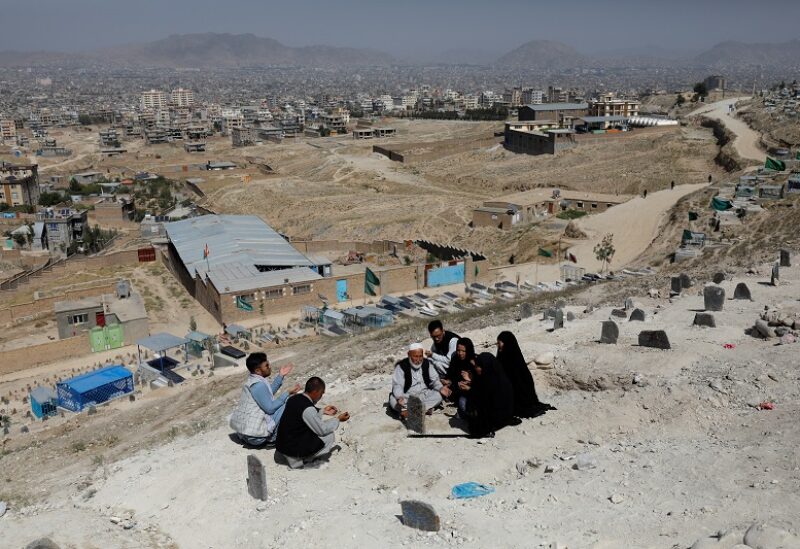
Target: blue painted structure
{"points": [[444, 276], [341, 290], [43, 402], [94, 387]]}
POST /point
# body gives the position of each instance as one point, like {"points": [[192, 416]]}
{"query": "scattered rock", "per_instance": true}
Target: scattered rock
{"points": [[763, 329], [609, 332], [713, 298], [718, 278], [763, 536], [552, 468], [654, 338], [91, 410], [742, 292], [420, 515], [637, 315], [788, 339], [42, 543], [544, 359], [704, 319], [781, 331], [584, 462], [256, 478], [3, 508], [616, 499]]}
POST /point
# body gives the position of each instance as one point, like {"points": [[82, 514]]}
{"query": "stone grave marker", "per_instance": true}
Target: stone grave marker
{"points": [[558, 320], [675, 285], [786, 258], [776, 275], [654, 338], [416, 415], [609, 332], [718, 278], [686, 282], [256, 478], [420, 515], [526, 310], [570, 316], [742, 292], [619, 313], [713, 298], [629, 304], [637, 314], [704, 319]]}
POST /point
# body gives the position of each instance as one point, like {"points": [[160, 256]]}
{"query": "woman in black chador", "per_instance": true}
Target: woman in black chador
{"points": [[526, 403], [490, 405]]}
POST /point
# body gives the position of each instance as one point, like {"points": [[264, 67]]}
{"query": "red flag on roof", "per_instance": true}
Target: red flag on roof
{"points": [[206, 252], [573, 258]]}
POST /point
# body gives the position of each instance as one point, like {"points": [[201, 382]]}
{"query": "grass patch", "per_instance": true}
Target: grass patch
{"points": [[570, 214], [78, 447]]}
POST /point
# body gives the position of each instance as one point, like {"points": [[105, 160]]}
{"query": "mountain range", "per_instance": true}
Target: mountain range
{"points": [[216, 50]]}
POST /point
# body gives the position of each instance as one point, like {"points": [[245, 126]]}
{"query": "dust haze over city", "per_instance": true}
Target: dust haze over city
{"points": [[419, 274]]}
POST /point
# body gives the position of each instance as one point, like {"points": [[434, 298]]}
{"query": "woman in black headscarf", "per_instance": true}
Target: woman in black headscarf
{"points": [[490, 404], [526, 403], [463, 360]]}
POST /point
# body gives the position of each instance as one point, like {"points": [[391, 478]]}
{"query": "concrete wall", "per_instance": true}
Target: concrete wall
{"points": [[529, 143], [44, 306], [15, 360], [485, 219], [344, 246]]}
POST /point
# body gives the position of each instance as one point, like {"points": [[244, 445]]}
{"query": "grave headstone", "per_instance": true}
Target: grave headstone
{"points": [[637, 314], [570, 316], [654, 338], [561, 303], [549, 313], [686, 282], [620, 313], [742, 292], [91, 410], [776, 275], [713, 298], [420, 515], [629, 304], [609, 332], [256, 478], [704, 319], [526, 310], [786, 258], [676, 286], [416, 415], [42, 543], [558, 320], [718, 278]]}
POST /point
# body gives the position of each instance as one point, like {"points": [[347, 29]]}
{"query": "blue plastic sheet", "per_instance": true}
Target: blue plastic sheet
{"points": [[471, 490]]}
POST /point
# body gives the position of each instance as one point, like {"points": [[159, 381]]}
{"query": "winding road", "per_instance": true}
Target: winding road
{"points": [[747, 140]]}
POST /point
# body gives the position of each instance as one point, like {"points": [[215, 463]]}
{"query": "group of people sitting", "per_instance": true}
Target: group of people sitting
{"points": [[300, 432], [489, 392]]}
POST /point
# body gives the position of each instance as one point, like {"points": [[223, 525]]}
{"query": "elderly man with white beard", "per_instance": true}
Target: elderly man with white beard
{"points": [[416, 376]]}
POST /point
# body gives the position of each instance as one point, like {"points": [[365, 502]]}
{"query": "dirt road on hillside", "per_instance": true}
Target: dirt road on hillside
{"points": [[747, 139]]}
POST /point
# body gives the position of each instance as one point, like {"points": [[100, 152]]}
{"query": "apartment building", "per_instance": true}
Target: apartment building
{"points": [[182, 98], [19, 184], [153, 100], [532, 97], [608, 105], [8, 130]]}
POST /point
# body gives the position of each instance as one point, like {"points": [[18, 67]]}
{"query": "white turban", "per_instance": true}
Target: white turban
{"points": [[416, 347]]}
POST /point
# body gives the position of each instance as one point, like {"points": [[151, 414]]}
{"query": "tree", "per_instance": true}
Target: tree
{"points": [[604, 251], [701, 89], [50, 199], [192, 324], [680, 100], [19, 239]]}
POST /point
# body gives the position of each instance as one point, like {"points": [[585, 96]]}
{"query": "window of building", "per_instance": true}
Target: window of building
{"points": [[594, 205], [15, 196], [273, 294], [304, 289], [76, 320], [579, 204]]}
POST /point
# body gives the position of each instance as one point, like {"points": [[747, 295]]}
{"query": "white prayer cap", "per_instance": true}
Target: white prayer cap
{"points": [[415, 347]]}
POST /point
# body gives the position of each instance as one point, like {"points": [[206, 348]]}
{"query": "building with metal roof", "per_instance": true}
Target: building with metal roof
{"points": [[94, 388]]}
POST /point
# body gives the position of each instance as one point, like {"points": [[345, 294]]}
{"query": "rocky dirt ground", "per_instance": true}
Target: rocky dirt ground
{"points": [[671, 445]]}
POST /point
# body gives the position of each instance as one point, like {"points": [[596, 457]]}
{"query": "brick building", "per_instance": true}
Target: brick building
{"points": [[19, 184]]}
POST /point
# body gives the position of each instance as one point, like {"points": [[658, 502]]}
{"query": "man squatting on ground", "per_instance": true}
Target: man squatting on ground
{"points": [[255, 419], [444, 345], [304, 434], [415, 376]]}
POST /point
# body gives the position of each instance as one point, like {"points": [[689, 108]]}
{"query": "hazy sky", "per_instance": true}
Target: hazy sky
{"points": [[402, 26]]}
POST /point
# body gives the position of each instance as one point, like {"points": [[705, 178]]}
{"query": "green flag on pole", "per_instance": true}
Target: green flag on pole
{"points": [[545, 253], [693, 216], [797, 156], [371, 282], [243, 305], [772, 164]]}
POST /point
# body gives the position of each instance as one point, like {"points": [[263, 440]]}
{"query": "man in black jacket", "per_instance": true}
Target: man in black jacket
{"points": [[303, 433], [444, 345]]}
